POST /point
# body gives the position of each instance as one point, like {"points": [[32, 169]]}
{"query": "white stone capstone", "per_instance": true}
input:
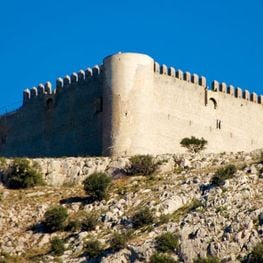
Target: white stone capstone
{"points": [[67, 80], [171, 72]]}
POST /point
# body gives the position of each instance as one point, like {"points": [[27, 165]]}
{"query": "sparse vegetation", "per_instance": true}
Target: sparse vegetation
{"points": [[167, 242], [57, 246], [93, 248], [55, 218], [89, 222], [223, 174], [2, 162], [73, 225], [141, 165], [162, 258], [207, 260], [119, 240], [193, 144], [256, 256], [96, 185], [142, 218], [24, 175]]}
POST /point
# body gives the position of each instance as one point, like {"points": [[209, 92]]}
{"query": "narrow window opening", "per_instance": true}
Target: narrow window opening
{"points": [[99, 105], [218, 124], [3, 139], [49, 103], [214, 102]]}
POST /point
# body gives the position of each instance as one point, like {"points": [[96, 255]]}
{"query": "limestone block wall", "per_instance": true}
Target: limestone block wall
{"points": [[64, 122], [131, 105]]}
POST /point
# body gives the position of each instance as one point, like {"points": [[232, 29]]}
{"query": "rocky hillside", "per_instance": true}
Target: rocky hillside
{"points": [[204, 216]]}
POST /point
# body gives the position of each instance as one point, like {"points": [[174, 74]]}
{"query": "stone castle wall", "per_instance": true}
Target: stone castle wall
{"points": [[131, 105]]}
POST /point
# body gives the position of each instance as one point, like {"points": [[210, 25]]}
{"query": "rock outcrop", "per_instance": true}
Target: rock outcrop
{"points": [[209, 220]]}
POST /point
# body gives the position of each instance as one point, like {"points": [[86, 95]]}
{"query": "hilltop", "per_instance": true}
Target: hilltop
{"points": [[207, 218]]}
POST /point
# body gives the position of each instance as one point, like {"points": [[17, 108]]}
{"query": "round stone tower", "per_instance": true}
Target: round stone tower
{"points": [[127, 100]]}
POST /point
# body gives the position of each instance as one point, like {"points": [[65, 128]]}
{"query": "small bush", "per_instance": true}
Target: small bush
{"points": [[55, 218], [93, 248], [193, 144], [24, 175], [118, 241], [141, 165], [207, 260], [161, 258], [89, 222], [223, 174], [2, 162], [57, 246], [166, 242], [73, 225], [96, 185], [142, 217], [256, 256]]}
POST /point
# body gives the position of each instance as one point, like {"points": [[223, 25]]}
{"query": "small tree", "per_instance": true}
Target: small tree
{"points": [[166, 242], [96, 185], [24, 175], [57, 246], [141, 165], [142, 217], [55, 218], [193, 144]]}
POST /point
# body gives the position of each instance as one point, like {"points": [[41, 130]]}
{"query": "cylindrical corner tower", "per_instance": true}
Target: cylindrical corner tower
{"points": [[127, 100]]}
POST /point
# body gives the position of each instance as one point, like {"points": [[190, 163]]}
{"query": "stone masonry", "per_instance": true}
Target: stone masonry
{"points": [[131, 105]]}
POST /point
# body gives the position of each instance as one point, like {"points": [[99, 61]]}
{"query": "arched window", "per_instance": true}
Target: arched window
{"points": [[213, 101]]}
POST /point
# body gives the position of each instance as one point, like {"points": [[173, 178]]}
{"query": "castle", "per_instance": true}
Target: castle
{"points": [[130, 105]]}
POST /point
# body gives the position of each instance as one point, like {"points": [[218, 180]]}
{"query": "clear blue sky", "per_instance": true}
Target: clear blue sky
{"points": [[45, 39]]}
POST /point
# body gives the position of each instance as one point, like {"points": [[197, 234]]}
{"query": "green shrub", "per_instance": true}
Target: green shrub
{"points": [[118, 241], [24, 175], [57, 246], [89, 222], [141, 165], [93, 248], [55, 218], [73, 225], [161, 258], [166, 242], [193, 144], [207, 260], [96, 185], [2, 162], [142, 217], [256, 256], [223, 174]]}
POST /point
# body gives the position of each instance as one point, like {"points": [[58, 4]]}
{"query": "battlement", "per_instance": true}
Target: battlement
{"points": [[236, 92], [61, 83], [124, 105], [179, 74]]}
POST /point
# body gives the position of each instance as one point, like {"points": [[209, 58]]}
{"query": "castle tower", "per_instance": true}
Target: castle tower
{"points": [[127, 98]]}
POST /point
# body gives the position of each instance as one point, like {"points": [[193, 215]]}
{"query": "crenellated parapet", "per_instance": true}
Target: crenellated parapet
{"points": [[179, 74], [236, 92], [78, 77], [61, 83], [36, 92]]}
